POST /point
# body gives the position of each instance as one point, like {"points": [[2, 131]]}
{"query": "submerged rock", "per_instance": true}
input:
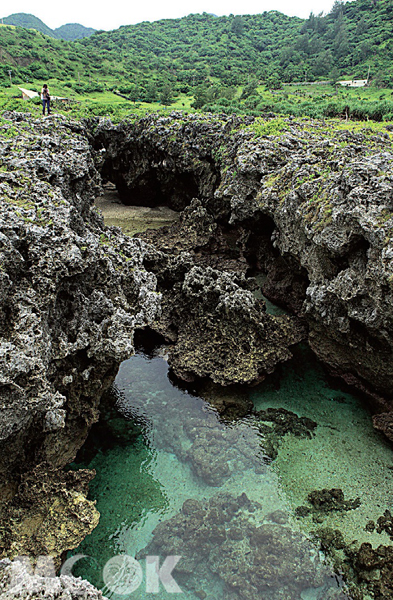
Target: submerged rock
{"points": [[374, 568], [275, 423], [219, 537], [325, 501], [385, 523], [216, 448]]}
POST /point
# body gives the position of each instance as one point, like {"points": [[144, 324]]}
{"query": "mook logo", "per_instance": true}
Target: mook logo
{"points": [[122, 574]]}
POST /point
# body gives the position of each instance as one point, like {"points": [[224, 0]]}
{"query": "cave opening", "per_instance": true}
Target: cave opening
{"points": [[281, 277], [151, 189], [354, 254], [151, 177]]}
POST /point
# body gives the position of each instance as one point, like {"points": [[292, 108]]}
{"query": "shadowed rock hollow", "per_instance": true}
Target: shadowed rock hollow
{"points": [[146, 174], [311, 207]]}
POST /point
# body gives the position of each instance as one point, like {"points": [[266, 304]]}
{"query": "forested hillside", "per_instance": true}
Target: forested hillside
{"points": [[217, 61], [345, 42], [28, 21], [352, 37], [71, 31]]}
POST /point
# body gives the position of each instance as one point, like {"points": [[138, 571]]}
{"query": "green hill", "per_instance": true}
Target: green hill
{"points": [[352, 37], [70, 32], [29, 22], [73, 31], [215, 60]]}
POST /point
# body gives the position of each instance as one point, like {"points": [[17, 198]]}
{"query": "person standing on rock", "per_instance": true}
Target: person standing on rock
{"points": [[45, 97]]}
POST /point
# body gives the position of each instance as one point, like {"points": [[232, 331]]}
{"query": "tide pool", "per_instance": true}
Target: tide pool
{"points": [[223, 492]]}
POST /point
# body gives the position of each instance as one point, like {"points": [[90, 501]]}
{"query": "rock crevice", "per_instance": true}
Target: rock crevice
{"points": [[310, 207]]}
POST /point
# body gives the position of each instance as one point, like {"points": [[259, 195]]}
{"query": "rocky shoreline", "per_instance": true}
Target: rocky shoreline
{"points": [[69, 304], [308, 207]]}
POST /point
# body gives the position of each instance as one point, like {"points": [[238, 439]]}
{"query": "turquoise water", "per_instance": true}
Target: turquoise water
{"points": [[176, 478]]}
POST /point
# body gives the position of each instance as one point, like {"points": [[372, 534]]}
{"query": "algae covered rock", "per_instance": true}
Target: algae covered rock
{"points": [[274, 423], [48, 514], [220, 538], [222, 331], [374, 568], [326, 196], [325, 501]]}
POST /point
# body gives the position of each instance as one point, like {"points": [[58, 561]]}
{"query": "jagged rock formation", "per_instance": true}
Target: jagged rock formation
{"points": [[312, 208], [222, 331], [48, 514], [18, 582], [309, 207], [71, 296]]}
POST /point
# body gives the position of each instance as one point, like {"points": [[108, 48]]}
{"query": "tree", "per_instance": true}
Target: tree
{"points": [[151, 92], [338, 9], [249, 89], [166, 96], [323, 64], [334, 75], [361, 27], [273, 82], [200, 96], [237, 25]]}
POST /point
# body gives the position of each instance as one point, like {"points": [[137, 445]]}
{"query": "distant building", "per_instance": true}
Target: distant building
{"points": [[354, 83]]}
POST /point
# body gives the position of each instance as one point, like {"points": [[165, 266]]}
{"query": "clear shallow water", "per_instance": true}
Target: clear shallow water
{"points": [[163, 446]]}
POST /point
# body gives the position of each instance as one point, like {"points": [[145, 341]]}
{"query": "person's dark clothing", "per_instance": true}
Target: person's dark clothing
{"points": [[45, 97], [46, 102]]}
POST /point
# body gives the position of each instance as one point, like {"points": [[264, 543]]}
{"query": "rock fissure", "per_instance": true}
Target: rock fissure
{"points": [[308, 208]]}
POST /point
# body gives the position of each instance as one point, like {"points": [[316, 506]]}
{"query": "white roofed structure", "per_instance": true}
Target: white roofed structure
{"points": [[354, 83], [28, 94]]}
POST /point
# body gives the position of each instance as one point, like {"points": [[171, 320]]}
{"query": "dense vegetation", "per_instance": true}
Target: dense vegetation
{"points": [[71, 31], [226, 64], [345, 42]]}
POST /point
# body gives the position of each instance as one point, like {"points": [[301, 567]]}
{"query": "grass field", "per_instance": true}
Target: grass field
{"points": [[298, 100]]}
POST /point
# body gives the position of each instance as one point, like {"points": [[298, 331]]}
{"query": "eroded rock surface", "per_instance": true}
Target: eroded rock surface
{"points": [[312, 206], [71, 295], [48, 514], [17, 582], [221, 331]]}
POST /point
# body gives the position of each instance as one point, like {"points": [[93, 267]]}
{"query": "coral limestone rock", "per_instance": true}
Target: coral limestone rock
{"points": [[71, 297]]}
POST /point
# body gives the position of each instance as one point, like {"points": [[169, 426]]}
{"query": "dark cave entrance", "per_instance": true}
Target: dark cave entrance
{"points": [[151, 190], [281, 277], [145, 175], [149, 176]]}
